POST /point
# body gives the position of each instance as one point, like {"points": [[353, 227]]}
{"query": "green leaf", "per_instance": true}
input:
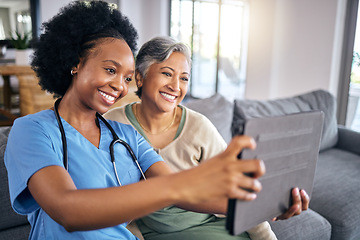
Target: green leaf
{"points": [[21, 41]]}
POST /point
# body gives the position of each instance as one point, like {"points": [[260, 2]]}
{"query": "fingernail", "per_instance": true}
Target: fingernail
{"points": [[262, 165], [257, 185], [251, 196], [303, 192]]}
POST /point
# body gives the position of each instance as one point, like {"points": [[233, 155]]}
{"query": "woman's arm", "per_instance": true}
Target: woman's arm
{"points": [[300, 199], [55, 192], [214, 207]]}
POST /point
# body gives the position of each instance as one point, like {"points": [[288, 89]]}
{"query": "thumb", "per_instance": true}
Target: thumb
{"points": [[238, 143]]}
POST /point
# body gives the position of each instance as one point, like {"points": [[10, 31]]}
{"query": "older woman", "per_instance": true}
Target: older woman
{"points": [[183, 138]]}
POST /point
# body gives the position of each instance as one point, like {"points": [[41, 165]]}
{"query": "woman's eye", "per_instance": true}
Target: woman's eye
{"points": [[128, 79], [110, 70], [166, 74], [185, 79]]}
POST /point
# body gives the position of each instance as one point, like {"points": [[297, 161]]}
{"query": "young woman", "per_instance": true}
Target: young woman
{"points": [[183, 138], [73, 173]]}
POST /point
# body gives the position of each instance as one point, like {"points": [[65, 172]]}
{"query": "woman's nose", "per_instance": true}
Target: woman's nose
{"points": [[175, 84], [118, 84]]}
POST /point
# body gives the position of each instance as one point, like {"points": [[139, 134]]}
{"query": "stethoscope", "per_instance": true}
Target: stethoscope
{"points": [[115, 140]]}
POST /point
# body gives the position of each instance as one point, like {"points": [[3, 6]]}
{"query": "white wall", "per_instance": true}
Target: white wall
{"points": [[149, 17], [49, 8], [294, 47]]}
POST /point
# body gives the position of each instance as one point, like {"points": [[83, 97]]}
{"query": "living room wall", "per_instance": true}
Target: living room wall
{"points": [[294, 46], [150, 17]]}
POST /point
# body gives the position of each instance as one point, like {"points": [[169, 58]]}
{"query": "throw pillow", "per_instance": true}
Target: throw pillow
{"points": [[218, 110], [316, 100]]}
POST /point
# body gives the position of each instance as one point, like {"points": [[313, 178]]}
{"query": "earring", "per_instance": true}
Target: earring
{"points": [[138, 80], [139, 84], [72, 72]]}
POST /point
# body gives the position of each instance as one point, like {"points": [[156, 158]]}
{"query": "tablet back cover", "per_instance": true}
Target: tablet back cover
{"points": [[289, 147]]}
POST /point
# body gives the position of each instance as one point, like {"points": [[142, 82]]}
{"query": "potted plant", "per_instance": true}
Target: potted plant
{"points": [[21, 43]]}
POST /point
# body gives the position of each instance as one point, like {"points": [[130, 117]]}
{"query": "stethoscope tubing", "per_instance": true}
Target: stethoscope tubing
{"points": [[62, 132], [115, 140]]}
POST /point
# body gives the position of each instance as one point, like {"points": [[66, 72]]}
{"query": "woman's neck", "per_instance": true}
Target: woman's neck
{"points": [[159, 128], [72, 111], [153, 122], [81, 118]]}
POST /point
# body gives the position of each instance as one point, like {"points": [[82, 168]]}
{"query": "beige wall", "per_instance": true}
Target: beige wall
{"points": [[294, 47]]}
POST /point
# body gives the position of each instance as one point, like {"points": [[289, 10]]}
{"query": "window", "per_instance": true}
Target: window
{"points": [[216, 31], [348, 108], [353, 108], [23, 22]]}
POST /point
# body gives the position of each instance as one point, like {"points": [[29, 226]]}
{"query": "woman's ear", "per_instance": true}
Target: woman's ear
{"points": [[74, 70], [138, 80]]}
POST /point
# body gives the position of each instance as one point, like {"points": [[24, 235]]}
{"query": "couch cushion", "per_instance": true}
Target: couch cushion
{"points": [[348, 140], [336, 192], [218, 110], [8, 218], [16, 233], [308, 225], [316, 100]]}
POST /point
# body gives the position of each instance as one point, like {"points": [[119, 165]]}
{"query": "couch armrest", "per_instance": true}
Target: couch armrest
{"points": [[348, 140]]}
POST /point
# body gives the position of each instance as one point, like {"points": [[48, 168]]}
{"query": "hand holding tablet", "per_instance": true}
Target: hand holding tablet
{"points": [[289, 146]]}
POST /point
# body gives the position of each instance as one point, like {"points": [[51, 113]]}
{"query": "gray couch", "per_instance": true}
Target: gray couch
{"points": [[334, 208], [12, 225]]}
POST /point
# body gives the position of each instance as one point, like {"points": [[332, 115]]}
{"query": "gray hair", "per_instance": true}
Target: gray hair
{"points": [[158, 50]]}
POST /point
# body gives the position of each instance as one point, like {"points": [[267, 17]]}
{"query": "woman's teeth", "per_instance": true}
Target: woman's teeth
{"points": [[168, 96], [111, 98]]}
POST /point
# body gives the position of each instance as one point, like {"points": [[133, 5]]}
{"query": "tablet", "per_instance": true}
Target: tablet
{"points": [[289, 146]]}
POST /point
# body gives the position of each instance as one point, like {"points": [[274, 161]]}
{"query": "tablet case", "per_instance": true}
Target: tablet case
{"points": [[289, 146]]}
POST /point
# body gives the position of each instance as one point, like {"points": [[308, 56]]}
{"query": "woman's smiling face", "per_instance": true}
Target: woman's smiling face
{"points": [[166, 83], [103, 77]]}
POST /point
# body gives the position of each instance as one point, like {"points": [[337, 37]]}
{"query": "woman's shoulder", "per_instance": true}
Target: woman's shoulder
{"points": [[118, 114], [39, 118], [115, 112], [34, 126], [195, 117]]}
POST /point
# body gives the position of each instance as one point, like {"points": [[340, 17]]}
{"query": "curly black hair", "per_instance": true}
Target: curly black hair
{"points": [[70, 35]]}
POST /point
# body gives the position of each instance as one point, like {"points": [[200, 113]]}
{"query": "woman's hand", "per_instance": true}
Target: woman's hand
{"points": [[300, 202]]}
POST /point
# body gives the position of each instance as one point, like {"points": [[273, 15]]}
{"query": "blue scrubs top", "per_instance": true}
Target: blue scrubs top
{"points": [[35, 142]]}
